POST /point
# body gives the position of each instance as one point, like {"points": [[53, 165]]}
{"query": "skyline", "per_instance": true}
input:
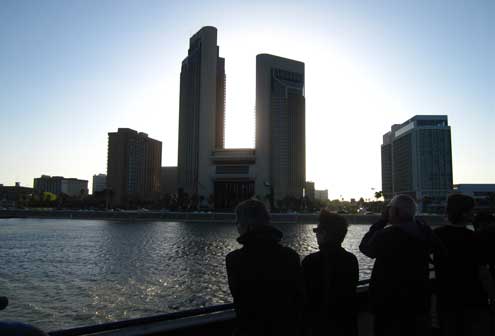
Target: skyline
{"points": [[379, 64]]}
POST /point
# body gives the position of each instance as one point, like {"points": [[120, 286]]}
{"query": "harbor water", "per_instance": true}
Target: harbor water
{"points": [[62, 273]]}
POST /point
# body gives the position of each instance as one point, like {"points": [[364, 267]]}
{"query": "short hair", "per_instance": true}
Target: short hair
{"points": [[252, 214], [334, 225], [457, 205], [406, 206]]}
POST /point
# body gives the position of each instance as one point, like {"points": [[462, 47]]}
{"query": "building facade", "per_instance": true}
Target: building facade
{"points": [[58, 185], [99, 183], [201, 112], [133, 167], [168, 180], [321, 195], [309, 190], [280, 126], [417, 160]]}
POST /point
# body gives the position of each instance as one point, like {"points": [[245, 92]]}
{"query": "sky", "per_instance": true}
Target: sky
{"points": [[72, 71]]}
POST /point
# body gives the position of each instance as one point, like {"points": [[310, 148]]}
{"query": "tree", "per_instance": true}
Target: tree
{"points": [[378, 194]]}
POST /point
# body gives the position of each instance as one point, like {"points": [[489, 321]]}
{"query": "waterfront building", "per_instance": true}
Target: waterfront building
{"points": [[309, 190], [483, 194], [133, 167], [321, 195], [417, 160], [58, 185], [99, 182], [13, 196], [201, 112], [168, 180], [280, 127]]}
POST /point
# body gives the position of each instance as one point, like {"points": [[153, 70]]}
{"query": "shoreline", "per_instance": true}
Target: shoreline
{"points": [[166, 216]]}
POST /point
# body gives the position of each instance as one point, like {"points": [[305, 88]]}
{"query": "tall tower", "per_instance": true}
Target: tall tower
{"points": [[280, 126], [417, 160], [201, 112]]}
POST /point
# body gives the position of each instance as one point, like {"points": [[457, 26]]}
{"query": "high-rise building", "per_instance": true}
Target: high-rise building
{"points": [[321, 195], [280, 126], [417, 160], [99, 182], [58, 185], [133, 167], [201, 112], [309, 190], [168, 180]]}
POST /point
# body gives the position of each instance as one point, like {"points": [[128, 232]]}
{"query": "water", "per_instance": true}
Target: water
{"points": [[66, 273]]}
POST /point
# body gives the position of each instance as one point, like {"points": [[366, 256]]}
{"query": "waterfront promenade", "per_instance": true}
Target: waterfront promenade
{"points": [[219, 217]]}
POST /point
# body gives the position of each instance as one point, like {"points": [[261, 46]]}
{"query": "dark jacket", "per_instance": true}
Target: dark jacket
{"points": [[400, 277], [457, 273], [265, 279], [331, 277]]}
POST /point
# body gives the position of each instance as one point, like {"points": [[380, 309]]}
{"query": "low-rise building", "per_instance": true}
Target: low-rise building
{"points": [[60, 185], [13, 196], [321, 195]]}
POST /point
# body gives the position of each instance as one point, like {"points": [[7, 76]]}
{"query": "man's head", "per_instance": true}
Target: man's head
{"points": [[460, 209], [251, 215], [331, 230], [401, 209]]}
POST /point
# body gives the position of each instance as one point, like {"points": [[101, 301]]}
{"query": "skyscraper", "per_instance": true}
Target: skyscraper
{"points": [[201, 112], [280, 126], [133, 167], [417, 159]]}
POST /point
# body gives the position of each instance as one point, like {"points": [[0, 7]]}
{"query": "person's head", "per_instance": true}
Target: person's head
{"points": [[401, 209], [331, 229], [484, 221], [460, 209], [251, 215]]}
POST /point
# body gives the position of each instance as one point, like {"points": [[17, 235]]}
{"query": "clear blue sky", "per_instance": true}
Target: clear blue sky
{"points": [[72, 71]]}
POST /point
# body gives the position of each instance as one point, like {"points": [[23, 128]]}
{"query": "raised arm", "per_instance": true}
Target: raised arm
{"points": [[370, 244]]}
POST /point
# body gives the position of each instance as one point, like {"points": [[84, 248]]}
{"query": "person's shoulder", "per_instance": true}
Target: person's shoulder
{"points": [[349, 255], [289, 252], [234, 255], [311, 258]]}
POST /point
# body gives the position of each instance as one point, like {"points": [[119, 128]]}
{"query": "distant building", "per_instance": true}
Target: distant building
{"points": [[12, 196], [309, 190], [99, 182], [417, 160], [280, 126], [484, 194], [133, 167], [58, 185], [201, 112], [321, 195], [168, 180]]}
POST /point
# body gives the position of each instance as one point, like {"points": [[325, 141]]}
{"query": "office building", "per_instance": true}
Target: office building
{"points": [[309, 190], [280, 126], [321, 195], [13, 196], [133, 167], [417, 160], [201, 112], [58, 185], [99, 183], [168, 180]]}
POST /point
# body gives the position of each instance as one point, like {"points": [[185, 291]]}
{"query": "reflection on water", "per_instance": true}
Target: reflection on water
{"points": [[66, 273]]}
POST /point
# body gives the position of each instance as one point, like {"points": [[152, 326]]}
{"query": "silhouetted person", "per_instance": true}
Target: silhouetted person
{"points": [[400, 288], [462, 299], [331, 276], [484, 225], [265, 278]]}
